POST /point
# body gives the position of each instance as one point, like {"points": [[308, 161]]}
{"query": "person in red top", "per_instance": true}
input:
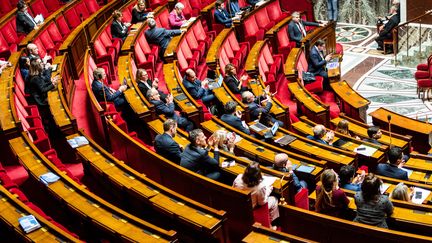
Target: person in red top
{"points": [[330, 199], [176, 17]]}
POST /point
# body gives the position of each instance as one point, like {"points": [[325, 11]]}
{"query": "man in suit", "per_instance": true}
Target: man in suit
{"points": [[321, 135], [283, 164], [221, 16], [165, 145], [167, 109], [145, 84], [196, 88], [233, 117], [25, 23], [195, 156], [159, 36], [393, 167], [317, 61], [33, 53], [374, 134], [257, 111], [296, 28], [385, 31], [105, 93]]}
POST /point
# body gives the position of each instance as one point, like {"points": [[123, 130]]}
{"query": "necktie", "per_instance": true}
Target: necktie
{"points": [[302, 29], [31, 18]]}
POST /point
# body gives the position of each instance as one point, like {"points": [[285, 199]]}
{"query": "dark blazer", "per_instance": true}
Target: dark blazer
{"points": [[255, 109], [392, 22], [319, 140], [222, 17], [194, 89], [143, 88], [23, 23], [38, 90], [296, 182], [389, 170], [99, 89], [232, 83], [294, 32], [160, 37], [252, 2], [138, 16], [316, 62], [119, 30], [235, 122], [198, 160], [168, 148]]}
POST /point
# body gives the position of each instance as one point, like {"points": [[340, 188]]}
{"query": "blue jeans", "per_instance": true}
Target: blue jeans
{"points": [[332, 10]]}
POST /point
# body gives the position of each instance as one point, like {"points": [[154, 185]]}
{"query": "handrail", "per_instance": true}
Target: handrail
{"points": [[416, 18]]}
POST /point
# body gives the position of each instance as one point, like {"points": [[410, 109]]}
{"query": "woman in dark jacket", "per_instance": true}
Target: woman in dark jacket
{"points": [[139, 14]]}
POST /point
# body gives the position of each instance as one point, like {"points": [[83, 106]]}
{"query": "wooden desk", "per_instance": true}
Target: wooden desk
{"points": [[351, 103], [314, 109], [265, 235], [326, 33], [420, 131], [96, 212], [213, 52]]}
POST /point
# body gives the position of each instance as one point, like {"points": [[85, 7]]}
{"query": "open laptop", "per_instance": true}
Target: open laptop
{"points": [[285, 140], [272, 132], [215, 83]]}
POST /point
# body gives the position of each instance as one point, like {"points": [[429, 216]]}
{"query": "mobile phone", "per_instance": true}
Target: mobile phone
{"points": [[418, 195], [360, 149]]}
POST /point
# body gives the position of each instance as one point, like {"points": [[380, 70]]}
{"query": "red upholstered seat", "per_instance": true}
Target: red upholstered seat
{"points": [[241, 50], [5, 7], [202, 35], [262, 215], [252, 32], [105, 55], [301, 199], [316, 86], [195, 46], [39, 138], [38, 7], [82, 11], [21, 196], [6, 181], [63, 26], [284, 44], [92, 6], [162, 18], [156, 3], [147, 49], [193, 58], [48, 43], [110, 43], [263, 20], [187, 10], [5, 50], [72, 18], [275, 13], [9, 33], [17, 173], [52, 5], [143, 61]]}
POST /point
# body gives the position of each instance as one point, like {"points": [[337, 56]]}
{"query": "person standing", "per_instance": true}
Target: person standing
{"points": [[332, 10]]}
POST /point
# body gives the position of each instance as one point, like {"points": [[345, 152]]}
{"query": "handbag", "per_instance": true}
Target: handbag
{"points": [[308, 77]]}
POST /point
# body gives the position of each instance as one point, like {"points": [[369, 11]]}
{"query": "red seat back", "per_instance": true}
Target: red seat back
{"points": [[38, 7], [301, 199], [9, 33], [52, 5], [263, 19], [81, 10], [63, 26], [72, 18], [262, 215], [162, 19], [274, 11], [46, 40], [92, 6]]}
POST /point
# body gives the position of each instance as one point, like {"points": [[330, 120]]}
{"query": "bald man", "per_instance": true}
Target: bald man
{"points": [[321, 135], [257, 110], [283, 164]]}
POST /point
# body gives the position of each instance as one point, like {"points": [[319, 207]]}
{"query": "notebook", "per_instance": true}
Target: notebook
{"points": [[258, 127], [48, 178], [78, 141], [29, 223], [180, 97], [285, 140]]}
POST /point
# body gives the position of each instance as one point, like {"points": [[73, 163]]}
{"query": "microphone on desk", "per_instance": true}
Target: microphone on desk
{"points": [[389, 128]]}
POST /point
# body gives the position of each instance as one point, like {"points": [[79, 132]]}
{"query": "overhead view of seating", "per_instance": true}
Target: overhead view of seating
{"points": [[119, 126]]}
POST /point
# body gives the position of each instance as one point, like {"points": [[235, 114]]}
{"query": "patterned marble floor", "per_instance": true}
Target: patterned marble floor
{"points": [[374, 76]]}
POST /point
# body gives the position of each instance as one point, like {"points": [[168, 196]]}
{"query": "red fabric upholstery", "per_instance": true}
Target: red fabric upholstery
{"points": [[63, 26], [301, 199], [81, 10], [92, 6], [52, 5], [40, 139], [9, 33], [263, 20], [143, 61], [262, 215], [4, 48], [316, 86], [195, 46], [72, 18], [6, 181], [37, 210], [21, 196], [162, 18], [202, 35], [38, 7], [283, 41], [252, 32], [5, 7], [17, 173], [156, 3], [274, 11]]}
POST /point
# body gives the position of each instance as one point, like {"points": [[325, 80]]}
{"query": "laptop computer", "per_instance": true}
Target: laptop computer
{"points": [[285, 140], [215, 84], [180, 97], [272, 132]]}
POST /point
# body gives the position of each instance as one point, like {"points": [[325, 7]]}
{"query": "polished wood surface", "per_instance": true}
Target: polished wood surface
{"points": [[266, 235], [351, 102], [213, 52]]}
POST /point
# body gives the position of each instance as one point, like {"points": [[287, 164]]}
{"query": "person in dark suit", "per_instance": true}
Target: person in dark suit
{"points": [[283, 164], [321, 135], [165, 145], [24, 65], [159, 36], [296, 28], [317, 61], [167, 109], [385, 31], [39, 85], [234, 84], [25, 23], [105, 93], [119, 29], [196, 88], [221, 16], [233, 117], [139, 14], [374, 134], [195, 156], [393, 167], [257, 111], [253, 2], [145, 84]]}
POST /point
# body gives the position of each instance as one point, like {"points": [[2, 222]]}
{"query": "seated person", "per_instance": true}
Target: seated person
{"points": [[330, 199], [321, 135], [385, 31], [317, 61], [196, 88], [164, 143], [139, 14], [195, 156], [372, 206], [119, 29], [232, 117], [401, 192], [226, 140], [283, 164], [221, 16], [39, 85], [296, 28], [347, 179], [24, 65], [252, 181], [394, 166], [374, 134], [343, 128], [259, 112], [104, 93], [33, 52], [159, 36], [176, 18], [25, 23], [233, 83], [145, 84], [167, 109]]}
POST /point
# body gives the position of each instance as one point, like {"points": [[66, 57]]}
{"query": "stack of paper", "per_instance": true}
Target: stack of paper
{"points": [[29, 223], [419, 195], [78, 141], [365, 150], [49, 178]]}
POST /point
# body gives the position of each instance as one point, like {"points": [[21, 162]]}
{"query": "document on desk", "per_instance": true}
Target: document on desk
{"points": [[269, 180], [384, 187], [419, 195], [365, 150]]}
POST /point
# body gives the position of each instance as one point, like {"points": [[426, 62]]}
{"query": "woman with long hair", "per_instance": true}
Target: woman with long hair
{"points": [[252, 180], [401, 192], [372, 206], [330, 199], [139, 13]]}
